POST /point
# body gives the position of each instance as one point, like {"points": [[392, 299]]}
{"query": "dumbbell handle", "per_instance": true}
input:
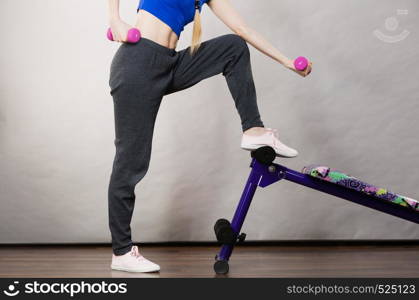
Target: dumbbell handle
{"points": [[133, 35], [301, 63]]}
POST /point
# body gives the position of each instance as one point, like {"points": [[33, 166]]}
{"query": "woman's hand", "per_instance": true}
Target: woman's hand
{"points": [[119, 30], [307, 71]]}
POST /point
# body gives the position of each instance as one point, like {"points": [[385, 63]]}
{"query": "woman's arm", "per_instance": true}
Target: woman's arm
{"points": [[229, 16], [119, 27], [113, 6]]}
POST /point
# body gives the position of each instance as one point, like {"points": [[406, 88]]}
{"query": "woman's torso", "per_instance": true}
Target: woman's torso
{"points": [[154, 29], [162, 21]]}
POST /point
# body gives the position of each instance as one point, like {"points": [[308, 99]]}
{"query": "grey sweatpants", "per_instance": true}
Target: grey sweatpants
{"points": [[141, 74]]}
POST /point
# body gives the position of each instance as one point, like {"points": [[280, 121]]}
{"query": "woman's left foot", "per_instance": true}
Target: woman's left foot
{"points": [[268, 138]]}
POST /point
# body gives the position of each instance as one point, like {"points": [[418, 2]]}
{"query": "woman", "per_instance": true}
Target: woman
{"points": [[142, 73]]}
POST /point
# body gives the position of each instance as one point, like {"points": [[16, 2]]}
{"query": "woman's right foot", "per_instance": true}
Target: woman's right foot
{"points": [[133, 261], [268, 138]]}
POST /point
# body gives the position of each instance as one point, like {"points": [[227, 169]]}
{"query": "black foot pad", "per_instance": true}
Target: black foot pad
{"points": [[265, 155]]}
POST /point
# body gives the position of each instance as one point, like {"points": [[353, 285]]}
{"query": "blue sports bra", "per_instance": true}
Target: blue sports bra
{"points": [[175, 13]]}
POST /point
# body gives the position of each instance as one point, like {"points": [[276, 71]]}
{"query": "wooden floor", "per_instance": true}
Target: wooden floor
{"points": [[197, 261]]}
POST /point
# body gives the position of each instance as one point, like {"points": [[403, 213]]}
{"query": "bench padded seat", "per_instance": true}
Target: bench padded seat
{"points": [[337, 177]]}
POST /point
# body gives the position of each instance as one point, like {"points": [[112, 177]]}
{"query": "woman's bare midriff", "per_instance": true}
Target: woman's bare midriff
{"points": [[153, 29]]}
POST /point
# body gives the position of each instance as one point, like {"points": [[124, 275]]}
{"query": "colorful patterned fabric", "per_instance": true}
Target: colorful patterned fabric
{"points": [[335, 176]]}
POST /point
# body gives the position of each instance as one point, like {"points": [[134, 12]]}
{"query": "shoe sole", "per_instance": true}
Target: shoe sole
{"points": [[135, 271], [257, 147]]}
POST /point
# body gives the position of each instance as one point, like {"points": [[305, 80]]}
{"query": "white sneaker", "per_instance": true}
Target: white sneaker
{"points": [[133, 261], [269, 138]]}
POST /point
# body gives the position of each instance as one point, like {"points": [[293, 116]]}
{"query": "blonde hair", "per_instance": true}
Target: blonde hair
{"points": [[197, 31]]}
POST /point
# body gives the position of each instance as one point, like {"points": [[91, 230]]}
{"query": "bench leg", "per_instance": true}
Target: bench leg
{"points": [[221, 264]]}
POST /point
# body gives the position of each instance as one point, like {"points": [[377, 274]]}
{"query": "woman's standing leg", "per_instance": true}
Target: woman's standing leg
{"points": [[138, 79], [229, 55], [135, 117]]}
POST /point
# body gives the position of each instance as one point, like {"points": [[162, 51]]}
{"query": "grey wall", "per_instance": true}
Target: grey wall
{"points": [[358, 112]]}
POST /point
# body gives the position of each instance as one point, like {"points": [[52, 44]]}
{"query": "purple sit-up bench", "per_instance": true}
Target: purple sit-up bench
{"points": [[265, 172]]}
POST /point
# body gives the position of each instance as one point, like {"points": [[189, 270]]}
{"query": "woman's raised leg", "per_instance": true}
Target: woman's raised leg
{"points": [[229, 55]]}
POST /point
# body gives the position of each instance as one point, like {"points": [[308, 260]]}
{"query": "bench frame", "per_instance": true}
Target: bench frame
{"points": [[264, 173]]}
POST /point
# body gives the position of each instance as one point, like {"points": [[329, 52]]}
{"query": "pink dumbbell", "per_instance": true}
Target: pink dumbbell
{"points": [[301, 63], [133, 35]]}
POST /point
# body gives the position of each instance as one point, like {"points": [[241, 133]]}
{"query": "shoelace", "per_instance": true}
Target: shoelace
{"points": [[274, 133], [135, 252]]}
